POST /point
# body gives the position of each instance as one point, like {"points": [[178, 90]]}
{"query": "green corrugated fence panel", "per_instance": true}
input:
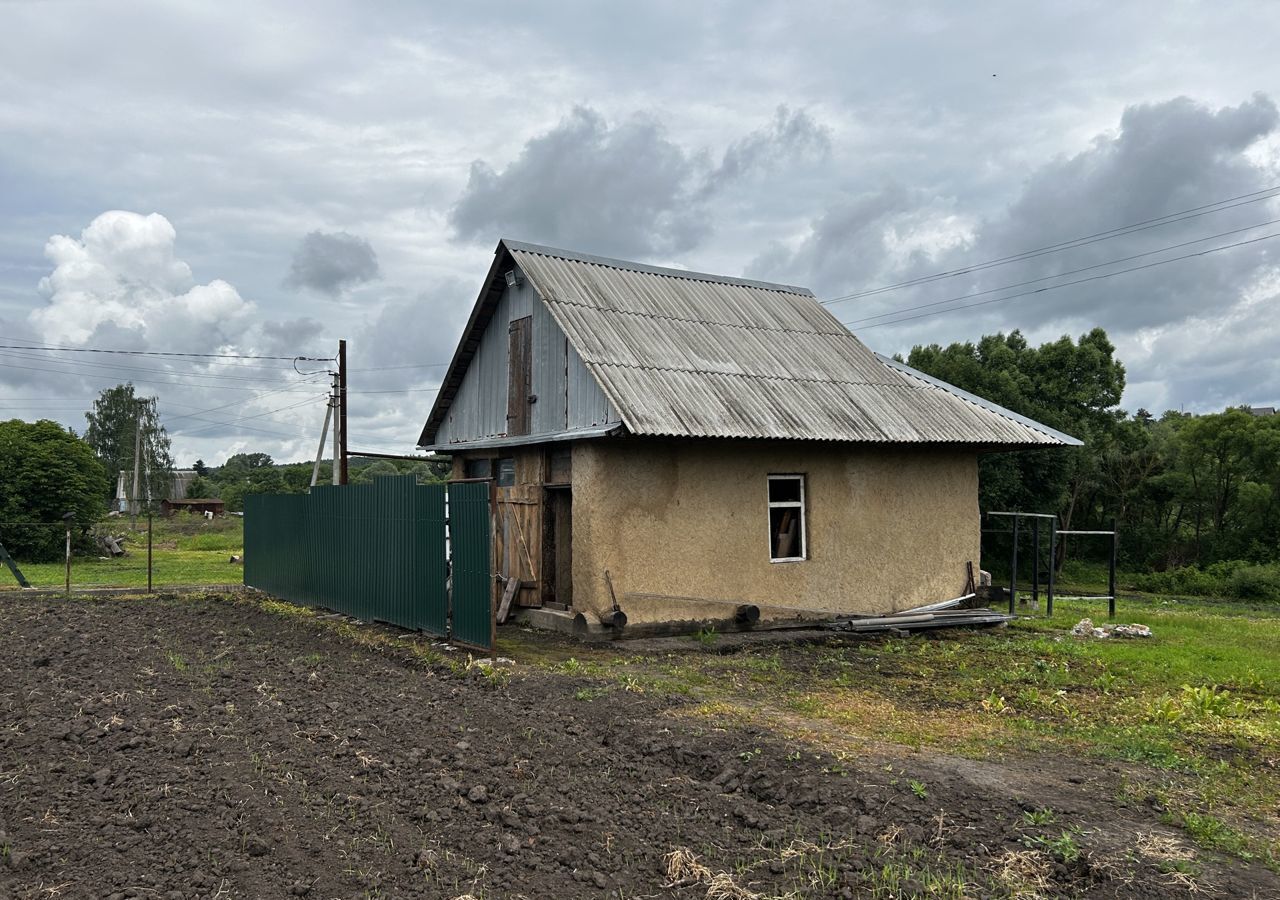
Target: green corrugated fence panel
{"points": [[469, 528], [373, 551], [431, 555]]}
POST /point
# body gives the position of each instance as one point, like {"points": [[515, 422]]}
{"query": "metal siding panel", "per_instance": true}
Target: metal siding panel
{"points": [[587, 403], [479, 407], [550, 413]]}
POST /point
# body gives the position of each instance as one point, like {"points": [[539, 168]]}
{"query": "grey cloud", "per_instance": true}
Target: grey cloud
{"points": [[291, 336], [847, 244], [624, 189], [418, 331], [793, 134], [1163, 158], [332, 263], [613, 189]]}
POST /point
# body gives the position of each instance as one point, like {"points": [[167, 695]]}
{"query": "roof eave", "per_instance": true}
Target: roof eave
{"points": [[1063, 439]]}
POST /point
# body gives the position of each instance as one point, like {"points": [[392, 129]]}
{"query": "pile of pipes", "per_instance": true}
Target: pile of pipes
{"points": [[939, 615]]}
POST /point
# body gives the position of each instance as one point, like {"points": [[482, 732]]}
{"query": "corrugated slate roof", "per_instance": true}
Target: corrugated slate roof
{"points": [[692, 355]]}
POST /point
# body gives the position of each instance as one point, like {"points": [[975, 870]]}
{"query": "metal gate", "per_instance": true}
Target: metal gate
{"points": [[378, 552]]}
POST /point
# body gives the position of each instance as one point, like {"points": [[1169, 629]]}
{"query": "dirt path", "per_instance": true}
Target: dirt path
{"points": [[207, 748]]}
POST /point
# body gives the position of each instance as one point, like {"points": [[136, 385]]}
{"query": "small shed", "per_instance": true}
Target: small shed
{"points": [[198, 506], [680, 444]]}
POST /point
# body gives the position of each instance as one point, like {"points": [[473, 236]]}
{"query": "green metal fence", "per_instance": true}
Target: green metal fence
{"points": [[374, 551], [472, 571]]}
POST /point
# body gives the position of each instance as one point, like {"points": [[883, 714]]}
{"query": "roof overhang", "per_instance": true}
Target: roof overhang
{"points": [[521, 440], [1062, 438]]}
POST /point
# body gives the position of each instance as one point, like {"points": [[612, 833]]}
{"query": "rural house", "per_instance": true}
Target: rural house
{"points": [[681, 445]]}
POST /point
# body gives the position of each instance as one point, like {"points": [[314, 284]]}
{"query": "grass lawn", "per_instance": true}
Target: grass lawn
{"points": [[185, 550], [1192, 715]]}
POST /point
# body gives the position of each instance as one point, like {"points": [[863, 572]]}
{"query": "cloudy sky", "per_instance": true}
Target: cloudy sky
{"points": [[263, 179]]}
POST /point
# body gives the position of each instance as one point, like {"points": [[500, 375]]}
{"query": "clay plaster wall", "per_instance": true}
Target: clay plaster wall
{"points": [[888, 527]]}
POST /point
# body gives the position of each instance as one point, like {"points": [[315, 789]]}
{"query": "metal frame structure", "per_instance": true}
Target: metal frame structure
{"points": [[1054, 534]]}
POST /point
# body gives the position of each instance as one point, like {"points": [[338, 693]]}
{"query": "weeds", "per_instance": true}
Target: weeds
{"points": [[1063, 847], [1040, 817]]}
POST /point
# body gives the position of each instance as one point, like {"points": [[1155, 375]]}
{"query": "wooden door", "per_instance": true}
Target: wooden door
{"points": [[519, 374], [557, 547]]}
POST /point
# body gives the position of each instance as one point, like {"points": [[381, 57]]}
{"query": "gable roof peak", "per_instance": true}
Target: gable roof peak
{"points": [[625, 265]]}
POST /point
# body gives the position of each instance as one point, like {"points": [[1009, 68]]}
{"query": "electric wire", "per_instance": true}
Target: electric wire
{"points": [[1054, 287], [51, 347], [1169, 219], [1101, 265], [146, 370]]}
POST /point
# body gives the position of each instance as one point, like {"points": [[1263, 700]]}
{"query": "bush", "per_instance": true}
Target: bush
{"points": [[1235, 578], [1255, 582], [46, 471]]}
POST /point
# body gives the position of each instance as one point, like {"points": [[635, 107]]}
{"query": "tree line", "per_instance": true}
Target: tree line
{"points": [[1186, 490], [257, 473]]}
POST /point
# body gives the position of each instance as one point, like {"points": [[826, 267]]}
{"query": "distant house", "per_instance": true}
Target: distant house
{"points": [[681, 444], [181, 480], [197, 505], [1262, 410]]}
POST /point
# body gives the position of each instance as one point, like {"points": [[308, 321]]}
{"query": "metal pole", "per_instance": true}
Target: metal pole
{"points": [[149, 550], [1013, 573], [1111, 571], [137, 459], [342, 408], [1053, 562], [68, 558], [324, 434], [1035, 563]]}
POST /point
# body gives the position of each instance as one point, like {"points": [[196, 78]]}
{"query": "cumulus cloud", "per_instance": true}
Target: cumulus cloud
{"points": [[121, 278], [332, 263], [624, 189]]}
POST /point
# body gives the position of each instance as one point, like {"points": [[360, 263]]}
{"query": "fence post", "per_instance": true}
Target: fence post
{"points": [[1035, 563], [67, 519], [149, 550], [1053, 562], [1013, 573], [1111, 569]]}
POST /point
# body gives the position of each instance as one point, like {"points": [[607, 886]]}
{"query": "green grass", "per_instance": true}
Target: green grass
{"points": [[185, 550]]}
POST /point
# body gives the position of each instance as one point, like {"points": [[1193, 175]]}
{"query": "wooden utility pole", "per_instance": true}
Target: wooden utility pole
{"points": [[336, 430], [342, 409]]}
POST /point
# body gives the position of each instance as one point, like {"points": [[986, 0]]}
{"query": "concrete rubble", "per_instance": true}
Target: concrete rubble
{"points": [[1086, 628]]}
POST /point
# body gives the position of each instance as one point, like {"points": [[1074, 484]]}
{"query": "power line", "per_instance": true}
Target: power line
{"points": [[1101, 265], [1183, 215], [409, 366], [233, 422], [400, 391], [204, 387], [1054, 287], [163, 353], [200, 412], [116, 367]]}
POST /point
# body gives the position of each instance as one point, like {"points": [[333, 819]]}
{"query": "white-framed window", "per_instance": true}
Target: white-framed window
{"points": [[787, 537]]}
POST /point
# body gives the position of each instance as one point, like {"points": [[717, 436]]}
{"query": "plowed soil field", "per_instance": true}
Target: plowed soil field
{"points": [[217, 747]]}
